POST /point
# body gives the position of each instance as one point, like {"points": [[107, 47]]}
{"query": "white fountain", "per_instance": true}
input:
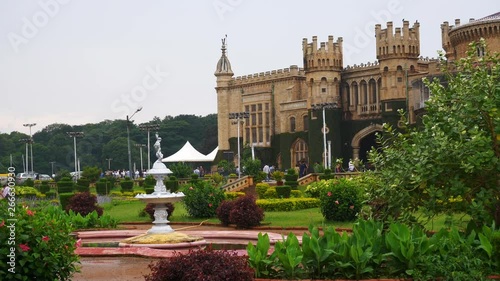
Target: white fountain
{"points": [[161, 235]]}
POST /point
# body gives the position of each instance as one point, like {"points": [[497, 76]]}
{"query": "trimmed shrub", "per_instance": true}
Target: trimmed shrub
{"points": [[171, 184], [261, 189], [314, 189], [149, 180], [224, 210], [149, 190], [84, 203], [296, 194], [202, 199], [29, 182], [231, 195], [44, 187], [270, 193], [103, 186], [205, 264], [327, 175], [83, 184], [340, 200], [127, 185], [64, 199], [245, 213], [65, 185], [149, 209], [291, 178], [283, 191], [285, 205]]}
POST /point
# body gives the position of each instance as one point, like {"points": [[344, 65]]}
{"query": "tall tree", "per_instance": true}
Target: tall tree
{"points": [[452, 162]]}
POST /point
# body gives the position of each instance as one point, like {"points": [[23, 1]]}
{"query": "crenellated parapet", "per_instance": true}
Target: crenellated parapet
{"points": [[361, 66], [292, 71], [401, 43], [455, 38], [328, 56]]}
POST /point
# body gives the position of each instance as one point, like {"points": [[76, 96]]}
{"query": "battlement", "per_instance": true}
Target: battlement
{"points": [[328, 56], [291, 71], [403, 42], [362, 66]]}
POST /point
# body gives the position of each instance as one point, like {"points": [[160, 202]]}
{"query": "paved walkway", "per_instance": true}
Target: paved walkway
{"points": [[131, 263]]}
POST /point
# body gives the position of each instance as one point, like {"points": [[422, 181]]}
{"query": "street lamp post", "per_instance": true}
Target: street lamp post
{"points": [[31, 148], [75, 135], [140, 153], [25, 162], [324, 106], [109, 163], [52, 164], [237, 116], [149, 128], [129, 119]]}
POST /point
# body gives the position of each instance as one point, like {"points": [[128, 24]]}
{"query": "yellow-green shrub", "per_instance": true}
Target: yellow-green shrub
{"points": [[261, 188], [289, 204], [270, 193], [231, 195]]}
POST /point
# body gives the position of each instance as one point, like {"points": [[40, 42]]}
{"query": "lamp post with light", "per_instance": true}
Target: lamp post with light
{"points": [[75, 135], [324, 106], [237, 116], [129, 120], [31, 148], [149, 128]]}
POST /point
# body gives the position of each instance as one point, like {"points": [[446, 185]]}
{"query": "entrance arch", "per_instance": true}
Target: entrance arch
{"points": [[299, 151], [364, 139]]}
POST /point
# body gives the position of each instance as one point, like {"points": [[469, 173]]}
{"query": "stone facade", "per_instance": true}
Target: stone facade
{"points": [[288, 107]]}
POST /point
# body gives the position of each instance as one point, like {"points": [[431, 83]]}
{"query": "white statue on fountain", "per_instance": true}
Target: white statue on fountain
{"points": [[157, 147]]}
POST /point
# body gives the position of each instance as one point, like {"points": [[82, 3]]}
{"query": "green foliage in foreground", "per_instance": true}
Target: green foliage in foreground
{"points": [[371, 252], [451, 163]]}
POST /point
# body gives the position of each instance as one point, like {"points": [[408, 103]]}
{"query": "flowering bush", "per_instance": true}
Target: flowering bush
{"points": [[202, 199], [340, 200], [36, 243], [313, 190]]}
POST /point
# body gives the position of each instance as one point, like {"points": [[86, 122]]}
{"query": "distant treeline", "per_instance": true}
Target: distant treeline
{"points": [[106, 140]]}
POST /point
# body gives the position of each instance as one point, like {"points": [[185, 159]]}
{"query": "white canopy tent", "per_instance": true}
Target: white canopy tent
{"points": [[189, 154]]}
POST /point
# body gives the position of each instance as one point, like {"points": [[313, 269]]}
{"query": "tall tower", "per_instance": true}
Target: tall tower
{"points": [[322, 68], [224, 75], [398, 55]]}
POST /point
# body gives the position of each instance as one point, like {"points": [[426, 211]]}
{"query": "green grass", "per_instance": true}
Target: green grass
{"points": [[128, 211]]}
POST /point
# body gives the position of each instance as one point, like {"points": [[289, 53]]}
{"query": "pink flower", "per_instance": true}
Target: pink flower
{"points": [[351, 207], [78, 243], [209, 204], [191, 188], [29, 213], [24, 247], [337, 202], [329, 194], [45, 238], [2, 224]]}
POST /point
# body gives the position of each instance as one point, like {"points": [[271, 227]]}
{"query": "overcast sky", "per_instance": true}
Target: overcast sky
{"points": [[84, 61]]}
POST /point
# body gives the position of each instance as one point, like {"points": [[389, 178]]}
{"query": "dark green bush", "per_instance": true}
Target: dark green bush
{"points": [[340, 200], [83, 203], [103, 186], [127, 185], [283, 191], [149, 180], [327, 175], [44, 187], [83, 185], [172, 184], [205, 264], [202, 199], [245, 213], [149, 189], [65, 185], [64, 199], [29, 182]]}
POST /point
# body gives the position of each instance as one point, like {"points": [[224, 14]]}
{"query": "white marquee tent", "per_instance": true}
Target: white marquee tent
{"points": [[189, 154]]}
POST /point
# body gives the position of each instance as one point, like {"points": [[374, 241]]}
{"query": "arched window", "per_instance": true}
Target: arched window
{"points": [[292, 124], [299, 152]]}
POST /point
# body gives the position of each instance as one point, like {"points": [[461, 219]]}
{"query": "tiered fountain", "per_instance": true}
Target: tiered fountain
{"points": [[161, 235]]}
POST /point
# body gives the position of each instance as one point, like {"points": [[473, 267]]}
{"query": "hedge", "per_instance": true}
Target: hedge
{"points": [[290, 204]]}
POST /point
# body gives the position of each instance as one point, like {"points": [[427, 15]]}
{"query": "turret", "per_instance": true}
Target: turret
{"points": [[224, 75], [223, 72], [322, 68], [403, 43]]}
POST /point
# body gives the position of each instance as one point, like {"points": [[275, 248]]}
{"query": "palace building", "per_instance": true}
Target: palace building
{"points": [[281, 113]]}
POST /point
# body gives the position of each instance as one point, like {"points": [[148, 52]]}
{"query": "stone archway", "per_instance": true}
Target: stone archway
{"points": [[356, 140]]}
